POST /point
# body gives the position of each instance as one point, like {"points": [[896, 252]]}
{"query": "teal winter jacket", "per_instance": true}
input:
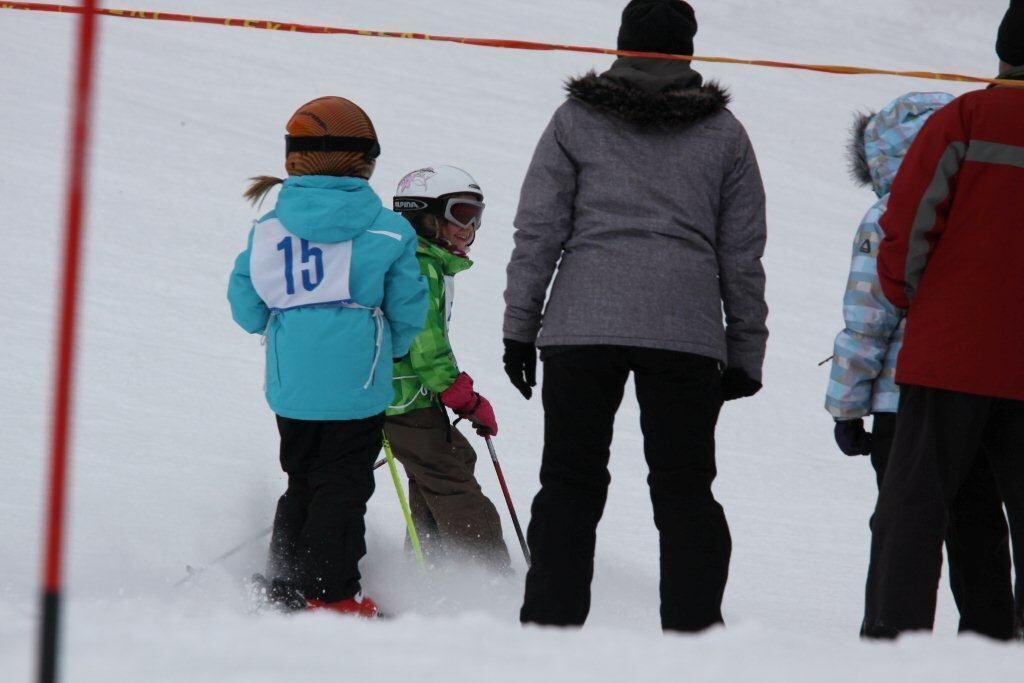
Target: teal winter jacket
{"points": [[330, 278]]}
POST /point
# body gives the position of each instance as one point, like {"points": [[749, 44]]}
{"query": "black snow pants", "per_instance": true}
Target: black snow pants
{"points": [[976, 536], [680, 398], [319, 530], [941, 438]]}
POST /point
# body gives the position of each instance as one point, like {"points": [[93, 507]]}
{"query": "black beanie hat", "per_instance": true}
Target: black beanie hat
{"points": [[666, 26], [1010, 44]]}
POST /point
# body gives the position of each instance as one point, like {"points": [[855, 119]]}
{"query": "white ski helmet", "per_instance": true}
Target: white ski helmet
{"points": [[432, 190]]}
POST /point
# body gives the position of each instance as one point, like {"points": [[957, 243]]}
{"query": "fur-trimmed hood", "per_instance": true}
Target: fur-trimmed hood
{"points": [[856, 153], [650, 92], [879, 141]]}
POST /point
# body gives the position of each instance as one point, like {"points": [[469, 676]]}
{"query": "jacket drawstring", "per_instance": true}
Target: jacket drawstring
{"points": [[263, 342], [422, 391], [378, 318]]}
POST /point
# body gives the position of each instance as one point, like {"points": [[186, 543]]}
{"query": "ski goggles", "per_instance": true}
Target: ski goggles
{"points": [[465, 213]]}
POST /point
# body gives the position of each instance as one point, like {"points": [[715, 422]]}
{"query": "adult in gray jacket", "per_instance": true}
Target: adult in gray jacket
{"points": [[645, 193]]}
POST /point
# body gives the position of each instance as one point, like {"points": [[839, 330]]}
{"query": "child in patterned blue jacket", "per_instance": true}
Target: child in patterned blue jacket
{"points": [[330, 279], [863, 374], [862, 380]]}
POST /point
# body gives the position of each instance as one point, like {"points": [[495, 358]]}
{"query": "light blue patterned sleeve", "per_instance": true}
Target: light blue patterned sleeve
{"points": [[862, 380]]}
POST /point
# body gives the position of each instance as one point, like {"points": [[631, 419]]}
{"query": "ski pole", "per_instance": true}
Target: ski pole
{"points": [[196, 571], [403, 501], [508, 500], [380, 463]]}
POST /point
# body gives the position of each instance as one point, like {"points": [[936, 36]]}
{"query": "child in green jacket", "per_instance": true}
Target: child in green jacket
{"points": [[452, 515]]}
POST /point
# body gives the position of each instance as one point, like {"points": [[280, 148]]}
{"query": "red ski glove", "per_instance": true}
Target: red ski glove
{"points": [[483, 419], [469, 405]]}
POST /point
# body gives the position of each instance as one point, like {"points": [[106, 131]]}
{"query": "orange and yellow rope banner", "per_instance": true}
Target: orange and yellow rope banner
{"points": [[270, 25]]}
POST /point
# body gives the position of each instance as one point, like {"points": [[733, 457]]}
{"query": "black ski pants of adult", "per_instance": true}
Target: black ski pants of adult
{"points": [[319, 529], [680, 398], [976, 538], [941, 438]]}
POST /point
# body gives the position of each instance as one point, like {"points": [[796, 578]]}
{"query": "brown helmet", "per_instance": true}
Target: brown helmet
{"points": [[330, 136]]}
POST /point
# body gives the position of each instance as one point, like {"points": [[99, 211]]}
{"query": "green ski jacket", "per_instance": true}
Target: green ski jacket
{"points": [[430, 366]]}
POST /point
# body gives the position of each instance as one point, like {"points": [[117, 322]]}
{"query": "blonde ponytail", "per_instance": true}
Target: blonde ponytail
{"points": [[261, 185]]}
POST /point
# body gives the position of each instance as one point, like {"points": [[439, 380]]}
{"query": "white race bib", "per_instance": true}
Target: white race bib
{"points": [[289, 272]]}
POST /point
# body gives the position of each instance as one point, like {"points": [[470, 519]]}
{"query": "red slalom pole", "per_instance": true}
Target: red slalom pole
{"points": [[508, 500], [73, 229]]}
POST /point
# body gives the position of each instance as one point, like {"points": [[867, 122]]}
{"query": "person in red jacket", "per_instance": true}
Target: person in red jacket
{"points": [[953, 256]]}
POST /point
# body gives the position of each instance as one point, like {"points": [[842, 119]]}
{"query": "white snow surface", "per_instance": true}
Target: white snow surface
{"points": [[175, 450]]}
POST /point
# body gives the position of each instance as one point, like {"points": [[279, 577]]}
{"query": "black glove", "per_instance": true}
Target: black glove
{"points": [[738, 384], [520, 361], [852, 438]]}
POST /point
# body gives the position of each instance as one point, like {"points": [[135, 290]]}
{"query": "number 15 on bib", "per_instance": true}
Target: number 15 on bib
{"points": [[290, 272]]}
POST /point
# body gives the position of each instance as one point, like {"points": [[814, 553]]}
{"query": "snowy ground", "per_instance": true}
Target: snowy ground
{"points": [[175, 449]]}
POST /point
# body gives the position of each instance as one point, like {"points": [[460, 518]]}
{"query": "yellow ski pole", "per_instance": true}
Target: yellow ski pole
{"points": [[404, 502]]}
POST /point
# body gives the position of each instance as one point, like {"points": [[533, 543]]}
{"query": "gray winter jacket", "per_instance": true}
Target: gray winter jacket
{"points": [[645, 192]]}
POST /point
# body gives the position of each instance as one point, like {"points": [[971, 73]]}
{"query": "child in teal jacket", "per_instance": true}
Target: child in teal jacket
{"points": [[330, 279]]}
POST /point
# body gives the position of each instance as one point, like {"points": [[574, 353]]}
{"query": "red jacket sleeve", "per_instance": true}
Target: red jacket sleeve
{"points": [[919, 202]]}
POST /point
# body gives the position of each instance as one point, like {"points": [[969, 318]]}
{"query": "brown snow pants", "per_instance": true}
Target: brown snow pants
{"points": [[451, 513]]}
